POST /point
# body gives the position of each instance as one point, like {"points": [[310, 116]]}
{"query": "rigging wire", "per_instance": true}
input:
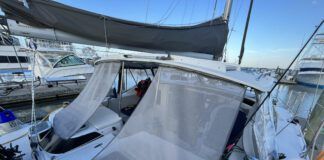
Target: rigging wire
{"points": [[184, 11], [147, 9], [215, 10], [166, 12], [105, 31], [207, 11], [169, 12], [192, 10]]}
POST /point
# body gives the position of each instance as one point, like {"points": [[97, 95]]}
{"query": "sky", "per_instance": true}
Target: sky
{"points": [[277, 29]]}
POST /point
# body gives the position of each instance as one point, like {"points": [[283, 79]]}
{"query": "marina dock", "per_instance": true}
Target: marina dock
{"points": [[42, 92], [287, 82]]}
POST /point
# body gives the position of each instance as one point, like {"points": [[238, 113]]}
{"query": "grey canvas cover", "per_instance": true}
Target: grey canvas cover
{"points": [[183, 116], [208, 37], [70, 119]]}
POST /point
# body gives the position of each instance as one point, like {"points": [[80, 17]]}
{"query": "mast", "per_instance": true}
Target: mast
{"points": [[227, 10], [226, 16], [245, 32]]}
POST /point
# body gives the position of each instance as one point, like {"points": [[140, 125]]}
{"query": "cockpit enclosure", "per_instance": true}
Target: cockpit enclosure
{"points": [[169, 112]]}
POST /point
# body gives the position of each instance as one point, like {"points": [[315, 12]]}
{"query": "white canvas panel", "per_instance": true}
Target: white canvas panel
{"points": [[70, 119], [183, 116]]}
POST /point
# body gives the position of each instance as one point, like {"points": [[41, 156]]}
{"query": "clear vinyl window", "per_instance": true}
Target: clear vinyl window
{"points": [[69, 61]]}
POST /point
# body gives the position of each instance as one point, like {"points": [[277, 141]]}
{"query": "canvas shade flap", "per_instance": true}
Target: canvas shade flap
{"points": [[208, 37], [70, 119], [183, 115]]}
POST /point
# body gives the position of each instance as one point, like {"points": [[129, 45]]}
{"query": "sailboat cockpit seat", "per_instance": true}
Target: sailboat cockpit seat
{"points": [[105, 120]]}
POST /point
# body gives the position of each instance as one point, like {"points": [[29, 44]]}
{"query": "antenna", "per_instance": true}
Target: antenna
{"points": [[245, 32]]}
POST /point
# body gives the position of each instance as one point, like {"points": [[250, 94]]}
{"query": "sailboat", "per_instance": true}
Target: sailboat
{"points": [[177, 108]]}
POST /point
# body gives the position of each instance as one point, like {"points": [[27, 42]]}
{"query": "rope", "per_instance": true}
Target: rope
{"points": [[33, 116], [105, 30]]}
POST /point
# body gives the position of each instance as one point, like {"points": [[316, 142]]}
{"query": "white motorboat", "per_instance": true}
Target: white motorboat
{"points": [[54, 65]]}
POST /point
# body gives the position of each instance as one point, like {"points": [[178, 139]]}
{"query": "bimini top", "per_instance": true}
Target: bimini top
{"points": [[208, 37], [227, 71]]}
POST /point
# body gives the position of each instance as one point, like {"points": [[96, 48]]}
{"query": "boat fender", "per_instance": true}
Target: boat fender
{"points": [[7, 116]]}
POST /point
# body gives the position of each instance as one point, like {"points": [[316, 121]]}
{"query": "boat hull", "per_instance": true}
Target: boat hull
{"points": [[314, 80]]}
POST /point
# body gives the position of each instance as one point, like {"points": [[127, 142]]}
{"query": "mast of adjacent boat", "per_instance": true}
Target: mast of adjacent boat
{"points": [[245, 32]]}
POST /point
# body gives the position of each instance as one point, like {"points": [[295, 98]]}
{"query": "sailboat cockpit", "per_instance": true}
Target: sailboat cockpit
{"points": [[149, 106]]}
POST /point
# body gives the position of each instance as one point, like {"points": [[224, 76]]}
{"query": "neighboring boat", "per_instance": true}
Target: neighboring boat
{"points": [[311, 72], [13, 63], [9, 61], [12, 129], [311, 66], [56, 65]]}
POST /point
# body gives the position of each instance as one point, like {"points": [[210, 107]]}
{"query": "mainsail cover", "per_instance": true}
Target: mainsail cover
{"points": [[208, 37], [70, 119]]}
